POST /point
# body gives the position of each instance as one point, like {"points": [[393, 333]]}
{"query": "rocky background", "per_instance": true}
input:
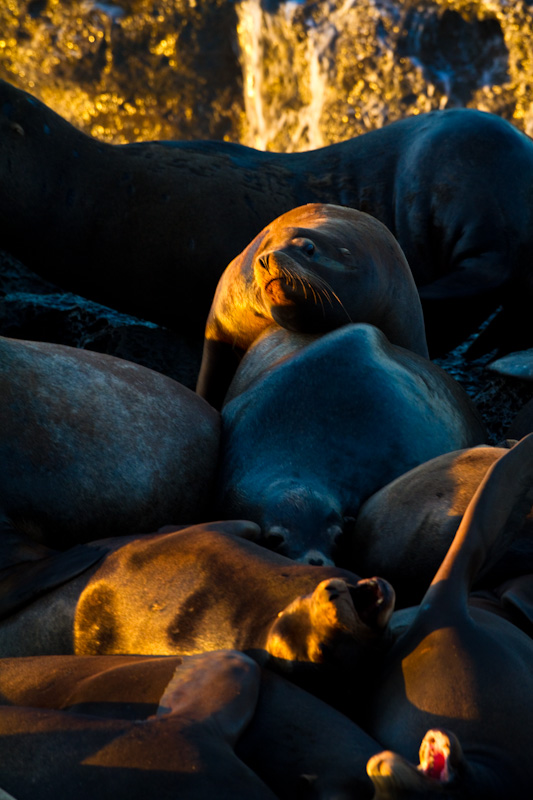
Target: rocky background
{"points": [[275, 75]]}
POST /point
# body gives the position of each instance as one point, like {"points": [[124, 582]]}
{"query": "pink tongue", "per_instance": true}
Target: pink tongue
{"points": [[438, 765]]}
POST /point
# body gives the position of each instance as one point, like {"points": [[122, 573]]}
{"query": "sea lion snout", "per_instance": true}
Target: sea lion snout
{"points": [[277, 538], [299, 298], [281, 278], [315, 558], [302, 523]]}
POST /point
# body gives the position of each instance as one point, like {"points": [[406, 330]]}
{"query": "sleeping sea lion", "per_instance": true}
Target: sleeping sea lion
{"points": [[313, 426], [185, 748], [94, 446], [205, 587], [404, 530]]}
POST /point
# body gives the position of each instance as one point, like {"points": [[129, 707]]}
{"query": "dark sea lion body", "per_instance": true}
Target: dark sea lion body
{"points": [[93, 446], [459, 671], [404, 530], [149, 227], [313, 426], [290, 733], [312, 270], [185, 748]]}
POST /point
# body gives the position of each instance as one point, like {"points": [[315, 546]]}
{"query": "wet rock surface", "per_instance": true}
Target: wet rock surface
{"points": [[31, 308], [189, 69]]}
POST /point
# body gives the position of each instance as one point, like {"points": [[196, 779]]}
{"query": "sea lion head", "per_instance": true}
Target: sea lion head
{"points": [[321, 266], [301, 521], [322, 639], [312, 270]]}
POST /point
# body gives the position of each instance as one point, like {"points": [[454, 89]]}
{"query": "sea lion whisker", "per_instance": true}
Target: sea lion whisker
{"points": [[289, 277], [327, 288], [303, 285], [315, 293]]}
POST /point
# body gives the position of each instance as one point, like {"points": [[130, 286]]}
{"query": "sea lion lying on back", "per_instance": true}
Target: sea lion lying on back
{"points": [[205, 587], [458, 678], [312, 270]]}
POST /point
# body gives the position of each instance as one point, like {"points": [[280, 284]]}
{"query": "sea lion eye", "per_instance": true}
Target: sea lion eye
{"points": [[306, 245], [344, 251]]}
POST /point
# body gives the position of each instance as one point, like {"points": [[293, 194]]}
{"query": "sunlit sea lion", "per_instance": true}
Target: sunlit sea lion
{"points": [[313, 426], [459, 678], [149, 228], [313, 269], [206, 587]]}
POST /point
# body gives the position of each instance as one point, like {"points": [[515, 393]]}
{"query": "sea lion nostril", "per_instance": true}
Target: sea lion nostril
{"points": [[263, 262]]}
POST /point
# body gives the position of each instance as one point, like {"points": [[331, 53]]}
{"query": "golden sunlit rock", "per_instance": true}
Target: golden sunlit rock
{"points": [[287, 76]]}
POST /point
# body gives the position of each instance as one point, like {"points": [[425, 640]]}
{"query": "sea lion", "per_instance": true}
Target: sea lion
{"points": [[461, 673], [291, 738], [149, 227], [206, 587], [311, 270], [184, 749], [96, 446], [313, 426], [404, 530]]}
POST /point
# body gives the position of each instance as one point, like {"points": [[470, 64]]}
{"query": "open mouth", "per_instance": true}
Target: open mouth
{"points": [[373, 599], [435, 755]]}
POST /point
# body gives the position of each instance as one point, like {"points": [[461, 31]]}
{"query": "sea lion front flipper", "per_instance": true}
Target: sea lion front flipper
{"points": [[21, 584], [219, 364], [243, 528], [491, 521], [220, 688]]}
